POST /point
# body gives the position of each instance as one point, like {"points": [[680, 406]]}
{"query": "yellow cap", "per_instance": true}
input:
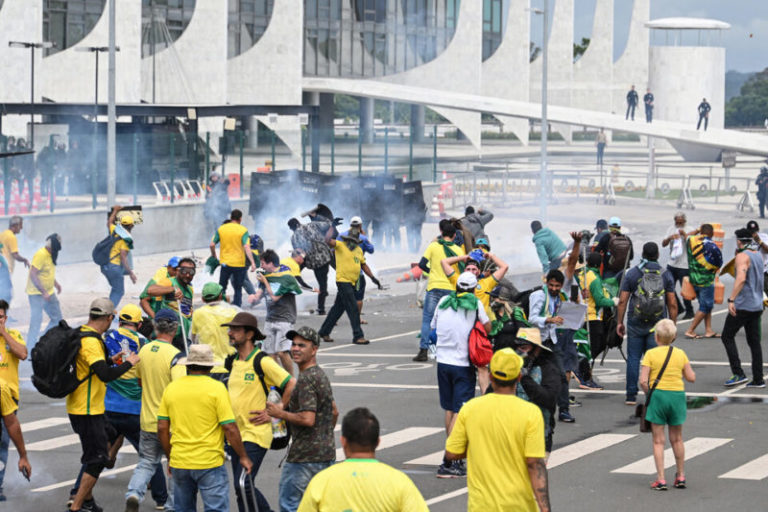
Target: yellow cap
{"points": [[130, 313], [126, 220], [506, 364]]}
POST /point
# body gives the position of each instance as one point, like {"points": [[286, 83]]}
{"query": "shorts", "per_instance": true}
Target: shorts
{"points": [[360, 289], [667, 408], [94, 438], [275, 337], [456, 385], [566, 350], [706, 297]]}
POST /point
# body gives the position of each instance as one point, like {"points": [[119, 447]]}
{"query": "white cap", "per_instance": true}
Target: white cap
{"points": [[356, 221], [466, 281]]}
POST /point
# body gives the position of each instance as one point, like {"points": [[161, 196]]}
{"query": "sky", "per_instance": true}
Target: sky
{"points": [[747, 17]]}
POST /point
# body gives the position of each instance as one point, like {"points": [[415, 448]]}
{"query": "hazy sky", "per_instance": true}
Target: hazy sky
{"points": [[744, 53]]}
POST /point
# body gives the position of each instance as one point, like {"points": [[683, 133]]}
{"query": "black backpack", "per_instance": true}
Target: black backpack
{"points": [[282, 442], [101, 250], [619, 248], [649, 296], [54, 358]]}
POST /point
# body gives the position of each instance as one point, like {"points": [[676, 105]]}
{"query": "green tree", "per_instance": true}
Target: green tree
{"points": [[750, 108], [579, 49]]}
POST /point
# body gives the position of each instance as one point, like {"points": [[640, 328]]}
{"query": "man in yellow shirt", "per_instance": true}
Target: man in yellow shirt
{"points": [[42, 288], [235, 247], [11, 244], [252, 372], [502, 438], [158, 367], [198, 410], [349, 262], [85, 405], [120, 262], [206, 325], [12, 349], [361, 482], [438, 285], [11, 425]]}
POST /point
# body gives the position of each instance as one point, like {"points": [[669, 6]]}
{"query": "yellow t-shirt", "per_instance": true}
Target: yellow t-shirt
{"points": [[161, 277], [362, 485], [9, 363], [247, 394], [293, 265], [672, 380], [120, 245], [206, 328], [348, 263], [196, 406], [10, 246], [437, 278], [156, 369], [7, 404], [231, 237], [46, 272], [498, 432], [88, 398], [484, 286]]}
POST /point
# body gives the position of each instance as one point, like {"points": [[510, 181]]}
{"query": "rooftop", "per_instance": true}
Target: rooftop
{"points": [[687, 24]]}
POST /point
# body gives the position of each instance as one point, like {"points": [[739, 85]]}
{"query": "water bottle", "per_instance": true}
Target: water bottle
{"points": [[279, 428], [432, 354]]}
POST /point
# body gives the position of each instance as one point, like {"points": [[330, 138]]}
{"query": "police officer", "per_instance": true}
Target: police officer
{"points": [[648, 100], [704, 108], [632, 100], [762, 188]]}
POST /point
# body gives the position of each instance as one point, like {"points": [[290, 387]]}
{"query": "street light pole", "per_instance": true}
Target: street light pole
{"points": [[32, 47], [111, 109], [543, 178]]}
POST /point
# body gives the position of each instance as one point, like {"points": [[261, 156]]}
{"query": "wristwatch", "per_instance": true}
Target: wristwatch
{"points": [[730, 301]]}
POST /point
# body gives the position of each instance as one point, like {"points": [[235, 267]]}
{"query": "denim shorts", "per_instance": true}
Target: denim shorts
{"points": [[456, 385], [706, 297]]}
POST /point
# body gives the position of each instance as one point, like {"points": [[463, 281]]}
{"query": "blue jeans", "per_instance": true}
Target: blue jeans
{"points": [[115, 277], [638, 341], [4, 442], [294, 481], [237, 275], [430, 304], [36, 307], [147, 470], [6, 286], [256, 453], [212, 484]]}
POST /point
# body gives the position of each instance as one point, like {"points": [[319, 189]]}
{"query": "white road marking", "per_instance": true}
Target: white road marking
{"points": [[53, 443], [364, 355], [385, 386], [109, 472], [693, 363], [31, 426], [385, 338], [714, 313], [399, 437], [693, 448], [753, 470]]}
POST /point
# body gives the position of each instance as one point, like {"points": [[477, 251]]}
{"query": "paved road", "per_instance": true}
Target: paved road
{"points": [[600, 461]]}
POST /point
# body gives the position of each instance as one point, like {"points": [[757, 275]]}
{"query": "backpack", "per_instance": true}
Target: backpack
{"points": [[100, 254], [54, 357], [649, 296], [480, 348], [619, 247], [279, 443]]}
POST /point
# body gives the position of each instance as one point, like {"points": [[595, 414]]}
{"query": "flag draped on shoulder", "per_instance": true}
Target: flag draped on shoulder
{"points": [[283, 282]]}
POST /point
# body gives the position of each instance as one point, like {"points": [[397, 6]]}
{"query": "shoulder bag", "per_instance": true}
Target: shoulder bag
{"points": [[645, 425]]}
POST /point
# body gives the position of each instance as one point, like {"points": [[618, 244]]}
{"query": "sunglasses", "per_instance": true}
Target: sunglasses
{"points": [[187, 270]]}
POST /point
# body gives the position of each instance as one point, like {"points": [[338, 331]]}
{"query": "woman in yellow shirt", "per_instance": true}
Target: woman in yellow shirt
{"points": [[667, 405]]}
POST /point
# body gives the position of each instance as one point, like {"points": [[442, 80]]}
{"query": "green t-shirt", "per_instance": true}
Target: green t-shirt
{"points": [[185, 304]]}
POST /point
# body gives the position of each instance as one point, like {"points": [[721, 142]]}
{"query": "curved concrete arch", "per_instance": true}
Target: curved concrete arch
{"points": [[593, 72], [506, 73], [78, 68], [632, 67]]}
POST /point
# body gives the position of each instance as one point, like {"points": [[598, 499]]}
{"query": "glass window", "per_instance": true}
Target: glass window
{"points": [[163, 22], [248, 20], [67, 22]]}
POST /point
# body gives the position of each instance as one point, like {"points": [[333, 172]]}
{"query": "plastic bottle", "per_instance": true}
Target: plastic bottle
{"points": [[432, 353], [279, 428]]}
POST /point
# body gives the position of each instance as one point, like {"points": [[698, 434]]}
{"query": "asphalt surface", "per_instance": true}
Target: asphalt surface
{"points": [[724, 436]]}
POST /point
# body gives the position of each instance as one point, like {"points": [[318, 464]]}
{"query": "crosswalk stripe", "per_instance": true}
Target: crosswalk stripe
{"points": [[399, 437], [109, 472], [753, 470], [31, 426], [53, 443], [693, 448]]}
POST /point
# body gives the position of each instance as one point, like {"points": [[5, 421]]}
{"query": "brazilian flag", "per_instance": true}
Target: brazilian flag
{"points": [[283, 282]]}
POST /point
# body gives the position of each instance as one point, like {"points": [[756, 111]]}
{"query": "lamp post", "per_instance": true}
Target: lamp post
{"points": [[544, 12], [32, 47]]}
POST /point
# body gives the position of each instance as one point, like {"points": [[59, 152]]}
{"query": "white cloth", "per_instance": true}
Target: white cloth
{"points": [[275, 337], [682, 260], [764, 239], [453, 328]]}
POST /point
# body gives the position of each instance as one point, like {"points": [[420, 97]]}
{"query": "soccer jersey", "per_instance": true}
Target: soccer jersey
{"points": [[117, 247], [293, 265], [348, 263], [435, 253], [7, 404], [156, 369], [46, 272], [88, 398], [206, 328], [10, 246], [9, 363], [672, 378], [231, 238]]}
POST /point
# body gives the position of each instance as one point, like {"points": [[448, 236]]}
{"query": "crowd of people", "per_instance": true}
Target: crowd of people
{"points": [[199, 384]]}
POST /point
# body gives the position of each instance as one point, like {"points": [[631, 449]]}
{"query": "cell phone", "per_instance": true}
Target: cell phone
{"points": [[25, 472]]}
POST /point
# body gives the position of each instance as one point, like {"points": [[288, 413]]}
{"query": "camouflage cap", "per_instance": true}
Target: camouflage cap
{"points": [[305, 332]]}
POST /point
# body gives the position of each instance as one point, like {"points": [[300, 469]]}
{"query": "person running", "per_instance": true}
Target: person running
{"points": [[676, 239], [12, 350], [745, 309], [252, 373], [11, 425], [438, 285], [349, 262], [549, 247], [120, 260], [200, 414], [312, 414], [361, 482], [667, 404], [151, 303], [42, 288], [475, 222], [158, 368], [356, 227], [235, 248], [502, 438], [704, 261], [85, 405], [317, 254], [10, 247], [206, 325]]}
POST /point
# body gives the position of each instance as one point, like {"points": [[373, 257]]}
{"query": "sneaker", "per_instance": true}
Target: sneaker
{"points": [[590, 384], [91, 506], [630, 400], [756, 384], [361, 341], [573, 402], [566, 417], [735, 380], [320, 312], [659, 485], [132, 504], [327, 339], [422, 356], [449, 471], [462, 466], [679, 482]]}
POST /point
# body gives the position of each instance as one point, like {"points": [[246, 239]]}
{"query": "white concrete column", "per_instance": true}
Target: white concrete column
{"points": [[366, 120]]}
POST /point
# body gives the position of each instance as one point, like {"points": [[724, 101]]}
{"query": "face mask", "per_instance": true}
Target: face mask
{"points": [[354, 230]]}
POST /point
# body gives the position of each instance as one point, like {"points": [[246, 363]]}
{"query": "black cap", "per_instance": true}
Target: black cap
{"points": [[752, 226]]}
